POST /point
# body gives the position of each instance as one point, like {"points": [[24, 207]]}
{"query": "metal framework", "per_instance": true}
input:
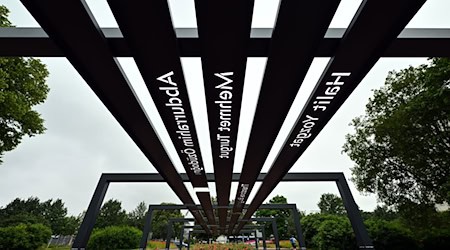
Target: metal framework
{"points": [[148, 223], [275, 230], [353, 213], [197, 227], [301, 33], [358, 51], [245, 230], [411, 42]]}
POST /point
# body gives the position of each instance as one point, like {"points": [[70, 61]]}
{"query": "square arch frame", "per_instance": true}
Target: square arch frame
{"points": [[362, 237]]}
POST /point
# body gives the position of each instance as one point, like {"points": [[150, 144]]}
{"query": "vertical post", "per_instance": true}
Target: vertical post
{"points": [[169, 234], [147, 228], [298, 228], [275, 234], [181, 237], [189, 240], [256, 239], [264, 237], [90, 217], [362, 237]]}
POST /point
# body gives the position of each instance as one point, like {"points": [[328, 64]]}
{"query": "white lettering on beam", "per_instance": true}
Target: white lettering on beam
{"points": [[321, 103], [183, 130], [225, 106]]}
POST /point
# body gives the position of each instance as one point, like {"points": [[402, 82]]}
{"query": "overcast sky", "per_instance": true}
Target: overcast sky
{"points": [[83, 139]]}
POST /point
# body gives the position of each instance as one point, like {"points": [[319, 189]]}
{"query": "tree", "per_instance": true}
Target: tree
{"points": [[283, 217], [331, 204], [22, 86], [160, 221], [111, 214], [137, 216], [32, 211], [401, 146], [334, 233], [390, 235], [385, 213], [55, 213], [19, 211]]}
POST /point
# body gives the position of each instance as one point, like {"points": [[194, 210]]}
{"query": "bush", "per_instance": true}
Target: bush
{"points": [[335, 233], [390, 235], [115, 237], [24, 236], [440, 240]]}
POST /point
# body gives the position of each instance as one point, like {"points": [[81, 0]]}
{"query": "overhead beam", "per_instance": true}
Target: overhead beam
{"points": [[290, 56], [224, 43], [363, 44], [412, 42], [158, 60], [72, 27], [210, 177]]}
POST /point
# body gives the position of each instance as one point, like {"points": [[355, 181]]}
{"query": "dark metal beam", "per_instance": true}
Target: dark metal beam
{"points": [[412, 42], [158, 60], [363, 44], [210, 177], [290, 56], [71, 26], [224, 43], [148, 219], [273, 222], [170, 230], [353, 213]]}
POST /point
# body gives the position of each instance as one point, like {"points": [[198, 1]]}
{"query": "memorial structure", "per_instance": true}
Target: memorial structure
{"points": [[223, 40]]}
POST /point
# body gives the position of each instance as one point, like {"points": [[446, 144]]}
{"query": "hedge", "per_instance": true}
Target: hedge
{"points": [[115, 237], [24, 236]]}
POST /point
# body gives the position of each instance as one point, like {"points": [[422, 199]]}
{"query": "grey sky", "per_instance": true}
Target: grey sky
{"points": [[83, 140]]}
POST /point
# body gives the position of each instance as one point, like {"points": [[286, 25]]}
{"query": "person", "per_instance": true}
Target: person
{"points": [[293, 242]]}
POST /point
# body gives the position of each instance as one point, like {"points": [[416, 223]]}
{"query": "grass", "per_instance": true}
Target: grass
{"points": [[154, 244], [230, 246], [55, 248]]}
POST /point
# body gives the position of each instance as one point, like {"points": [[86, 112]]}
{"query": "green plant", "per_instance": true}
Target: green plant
{"points": [[437, 240], [24, 236], [390, 235], [115, 237]]}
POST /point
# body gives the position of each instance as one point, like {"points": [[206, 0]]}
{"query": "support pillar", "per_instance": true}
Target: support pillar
{"points": [[362, 237], [90, 217], [147, 228], [298, 228]]}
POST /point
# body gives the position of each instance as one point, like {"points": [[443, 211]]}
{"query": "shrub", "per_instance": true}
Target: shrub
{"points": [[115, 237], [439, 240], [390, 235], [335, 233], [24, 236]]}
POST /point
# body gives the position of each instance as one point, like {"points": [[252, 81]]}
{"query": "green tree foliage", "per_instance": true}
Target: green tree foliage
{"points": [[111, 214], [311, 224], [384, 213], [115, 237], [22, 211], [401, 146], [22, 86], [424, 220], [409, 226], [160, 221], [388, 235], [283, 217], [24, 237], [4, 22], [331, 204], [334, 233], [31, 211], [136, 218]]}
